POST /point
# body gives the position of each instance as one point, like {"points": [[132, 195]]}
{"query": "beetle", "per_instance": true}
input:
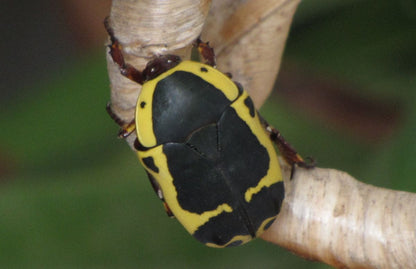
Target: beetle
{"points": [[208, 153]]}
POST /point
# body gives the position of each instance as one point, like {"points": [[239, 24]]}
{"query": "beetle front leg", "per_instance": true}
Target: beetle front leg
{"points": [[126, 128], [126, 69]]}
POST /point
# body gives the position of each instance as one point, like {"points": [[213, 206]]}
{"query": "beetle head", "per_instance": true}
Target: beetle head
{"points": [[160, 65]]}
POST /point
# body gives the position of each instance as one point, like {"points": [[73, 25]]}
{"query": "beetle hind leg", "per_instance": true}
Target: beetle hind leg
{"points": [[159, 194]]}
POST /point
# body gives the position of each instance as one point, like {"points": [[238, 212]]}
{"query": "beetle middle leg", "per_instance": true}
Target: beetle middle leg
{"points": [[126, 69], [206, 52]]}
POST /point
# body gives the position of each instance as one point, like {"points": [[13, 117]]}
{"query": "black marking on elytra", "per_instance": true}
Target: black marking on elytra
{"points": [[266, 203], [197, 179], [242, 155], [142, 104], [216, 157], [205, 141], [235, 243], [268, 224], [221, 229], [249, 103], [203, 69], [150, 163], [239, 162]]}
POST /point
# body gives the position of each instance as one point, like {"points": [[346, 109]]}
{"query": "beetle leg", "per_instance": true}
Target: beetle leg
{"points": [[206, 52], [126, 128], [159, 194], [126, 69], [289, 154]]}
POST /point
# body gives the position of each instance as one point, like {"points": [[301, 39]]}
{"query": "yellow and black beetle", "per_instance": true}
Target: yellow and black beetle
{"points": [[208, 153]]}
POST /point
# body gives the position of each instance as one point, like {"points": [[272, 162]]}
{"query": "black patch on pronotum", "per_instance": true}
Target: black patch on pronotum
{"points": [[182, 103], [249, 103], [150, 163], [203, 69], [142, 104]]}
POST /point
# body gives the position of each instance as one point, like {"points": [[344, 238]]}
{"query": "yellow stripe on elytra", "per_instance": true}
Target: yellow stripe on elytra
{"points": [[261, 229], [273, 174], [243, 238], [144, 121], [191, 221]]}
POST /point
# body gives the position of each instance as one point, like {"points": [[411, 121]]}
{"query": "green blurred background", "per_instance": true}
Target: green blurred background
{"points": [[73, 196]]}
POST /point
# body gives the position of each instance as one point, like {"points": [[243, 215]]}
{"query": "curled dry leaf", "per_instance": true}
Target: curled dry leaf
{"points": [[248, 37]]}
